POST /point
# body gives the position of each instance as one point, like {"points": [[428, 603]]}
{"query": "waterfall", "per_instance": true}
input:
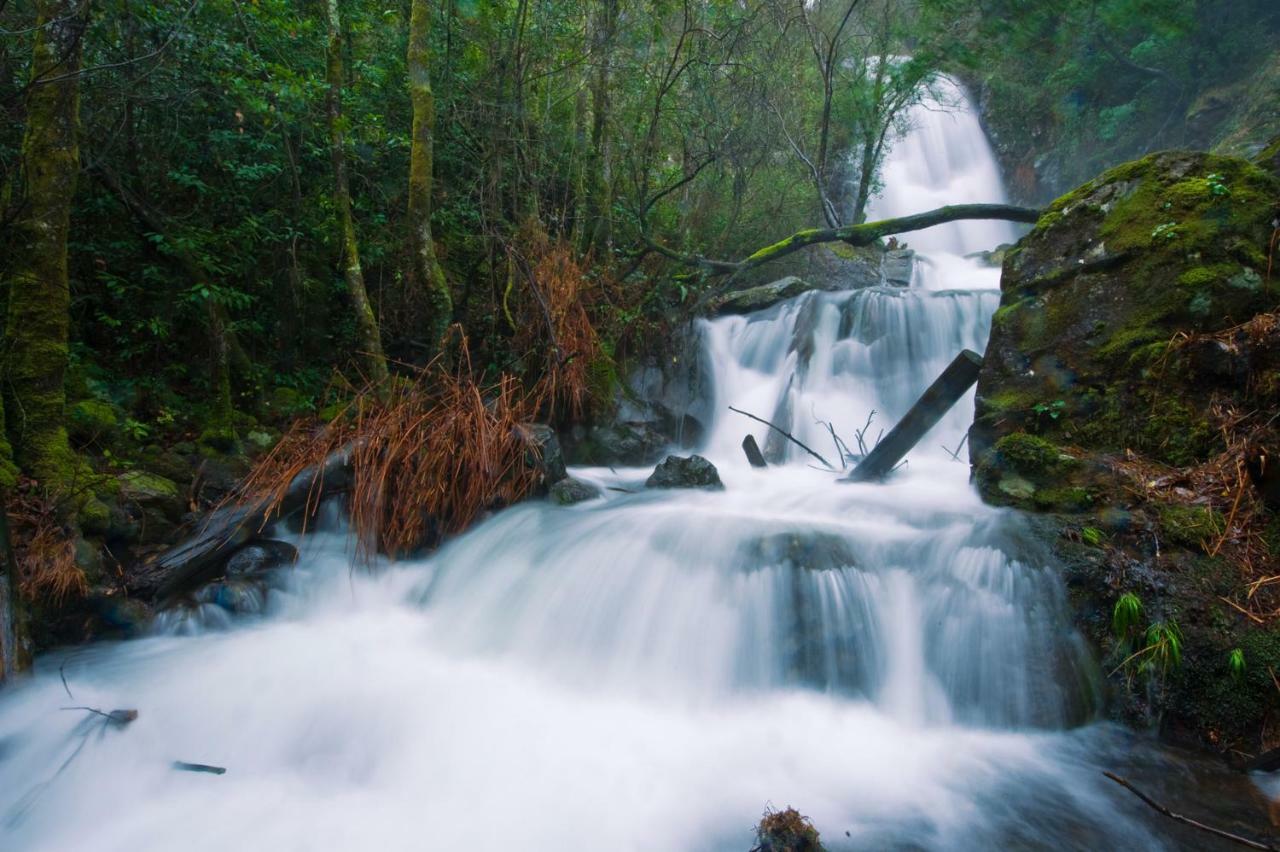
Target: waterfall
{"points": [[647, 670]]}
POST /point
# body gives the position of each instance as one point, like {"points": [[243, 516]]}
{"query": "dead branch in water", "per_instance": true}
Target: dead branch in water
{"points": [[785, 434], [1159, 808]]}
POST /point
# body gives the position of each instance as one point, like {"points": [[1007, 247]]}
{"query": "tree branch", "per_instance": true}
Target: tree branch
{"points": [[854, 235]]}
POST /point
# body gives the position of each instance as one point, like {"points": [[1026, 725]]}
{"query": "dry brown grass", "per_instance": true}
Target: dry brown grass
{"points": [[44, 548], [552, 324], [430, 454]]}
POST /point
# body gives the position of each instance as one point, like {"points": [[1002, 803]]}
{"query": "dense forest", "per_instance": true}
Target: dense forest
{"points": [[242, 238]]}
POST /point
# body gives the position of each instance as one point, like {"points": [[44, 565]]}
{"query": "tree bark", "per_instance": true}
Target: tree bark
{"points": [[426, 281], [37, 324], [368, 337]]}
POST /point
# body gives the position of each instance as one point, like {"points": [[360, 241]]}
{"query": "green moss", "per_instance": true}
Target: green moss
{"points": [[1190, 526], [92, 420], [1029, 454], [141, 485]]}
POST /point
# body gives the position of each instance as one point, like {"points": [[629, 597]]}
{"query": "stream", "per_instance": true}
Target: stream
{"points": [[650, 670]]}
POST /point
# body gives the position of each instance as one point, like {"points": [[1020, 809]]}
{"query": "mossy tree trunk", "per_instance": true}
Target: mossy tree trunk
{"points": [[369, 340], [425, 280], [599, 182], [37, 321]]}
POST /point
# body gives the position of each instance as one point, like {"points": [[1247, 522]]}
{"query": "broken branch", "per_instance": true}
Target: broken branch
{"points": [[785, 434], [1159, 808]]}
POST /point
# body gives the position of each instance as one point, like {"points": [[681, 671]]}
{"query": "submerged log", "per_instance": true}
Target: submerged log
{"points": [[959, 376], [752, 449]]}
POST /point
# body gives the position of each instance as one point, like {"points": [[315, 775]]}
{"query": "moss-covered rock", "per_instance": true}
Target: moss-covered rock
{"points": [[93, 422], [1134, 319], [1092, 298]]}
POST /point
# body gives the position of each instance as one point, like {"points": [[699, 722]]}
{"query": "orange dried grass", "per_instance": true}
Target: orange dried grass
{"points": [[429, 454], [555, 325], [44, 548]]}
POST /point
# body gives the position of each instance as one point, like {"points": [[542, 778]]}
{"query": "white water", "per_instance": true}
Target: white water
{"points": [[645, 671]]}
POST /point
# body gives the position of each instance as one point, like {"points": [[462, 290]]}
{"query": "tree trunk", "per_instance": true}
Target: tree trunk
{"points": [[598, 179], [39, 292], [369, 340], [15, 653], [425, 281]]}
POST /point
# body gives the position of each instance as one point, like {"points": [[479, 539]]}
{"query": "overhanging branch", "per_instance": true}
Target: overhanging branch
{"points": [[853, 235]]}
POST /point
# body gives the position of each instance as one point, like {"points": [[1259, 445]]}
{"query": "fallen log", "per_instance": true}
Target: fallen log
{"points": [[946, 390], [752, 449], [225, 530]]}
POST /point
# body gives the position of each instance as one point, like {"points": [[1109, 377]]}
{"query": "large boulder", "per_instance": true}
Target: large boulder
{"points": [[1171, 245], [1130, 380], [685, 472]]}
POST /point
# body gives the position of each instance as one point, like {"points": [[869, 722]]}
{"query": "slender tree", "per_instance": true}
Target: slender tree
{"points": [[368, 338], [426, 279], [36, 327]]}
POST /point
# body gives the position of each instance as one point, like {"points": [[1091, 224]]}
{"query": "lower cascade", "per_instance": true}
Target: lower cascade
{"points": [[649, 669]]}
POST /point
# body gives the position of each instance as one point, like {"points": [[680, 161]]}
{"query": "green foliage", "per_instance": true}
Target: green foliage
{"points": [[1126, 615], [1235, 663]]}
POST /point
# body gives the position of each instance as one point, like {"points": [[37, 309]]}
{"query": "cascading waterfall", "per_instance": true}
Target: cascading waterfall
{"points": [[649, 669]]}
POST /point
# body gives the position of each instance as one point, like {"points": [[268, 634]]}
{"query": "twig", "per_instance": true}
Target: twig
{"points": [[861, 434], [62, 674], [183, 766], [1159, 808], [835, 439], [785, 434], [955, 456]]}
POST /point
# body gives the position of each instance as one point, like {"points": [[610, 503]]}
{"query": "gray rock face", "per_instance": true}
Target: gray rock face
{"points": [[685, 472], [569, 491], [898, 266]]}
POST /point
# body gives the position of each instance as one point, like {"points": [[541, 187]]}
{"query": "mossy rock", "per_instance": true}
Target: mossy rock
{"points": [[1094, 297], [92, 421]]}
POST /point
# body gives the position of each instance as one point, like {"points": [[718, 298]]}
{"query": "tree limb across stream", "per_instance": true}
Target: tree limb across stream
{"points": [[853, 235]]}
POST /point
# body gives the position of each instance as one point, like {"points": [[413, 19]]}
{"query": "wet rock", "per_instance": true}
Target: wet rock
{"points": [[260, 556], [544, 451], [621, 443], [899, 266], [758, 298], [813, 551], [239, 596], [685, 472], [994, 258], [569, 491]]}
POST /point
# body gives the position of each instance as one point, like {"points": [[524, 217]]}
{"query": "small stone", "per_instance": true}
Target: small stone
{"points": [[259, 557], [682, 472], [569, 491]]}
